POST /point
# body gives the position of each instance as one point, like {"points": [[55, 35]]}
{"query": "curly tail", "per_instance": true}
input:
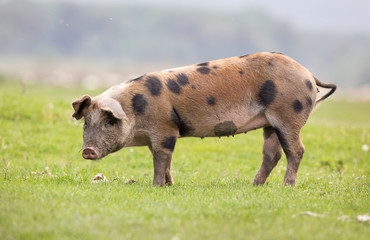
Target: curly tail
{"points": [[325, 85]]}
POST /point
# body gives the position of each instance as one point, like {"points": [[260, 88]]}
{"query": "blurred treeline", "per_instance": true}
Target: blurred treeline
{"points": [[145, 36]]}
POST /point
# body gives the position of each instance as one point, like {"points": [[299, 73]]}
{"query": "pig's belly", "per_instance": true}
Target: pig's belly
{"points": [[231, 123]]}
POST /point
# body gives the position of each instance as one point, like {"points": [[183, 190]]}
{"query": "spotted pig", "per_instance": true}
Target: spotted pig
{"points": [[212, 99]]}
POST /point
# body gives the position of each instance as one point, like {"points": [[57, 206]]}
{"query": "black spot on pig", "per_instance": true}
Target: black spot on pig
{"points": [[267, 93], [297, 106], [154, 86], [204, 70], [136, 79], [277, 53], [282, 140], [225, 128], [184, 128], [241, 72], [169, 143], [309, 84], [244, 56], [211, 101], [182, 79], [173, 86], [309, 101], [139, 103], [203, 64], [175, 118]]}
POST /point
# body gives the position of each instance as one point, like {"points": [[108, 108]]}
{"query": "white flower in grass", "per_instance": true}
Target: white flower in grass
{"points": [[365, 148], [99, 178], [363, 218]]}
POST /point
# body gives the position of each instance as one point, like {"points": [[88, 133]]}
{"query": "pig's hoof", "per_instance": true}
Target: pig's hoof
{"points": [[258, 180], [162, 184], [258, 183], [170, 183], [158, 183], [289, 183]]}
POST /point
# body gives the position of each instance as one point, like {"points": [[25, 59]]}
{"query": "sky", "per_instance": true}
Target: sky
{"points": [[339, 16], [349, 54]]}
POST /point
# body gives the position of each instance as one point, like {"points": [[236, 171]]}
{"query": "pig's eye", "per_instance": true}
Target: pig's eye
{"points": [[111, 122]]}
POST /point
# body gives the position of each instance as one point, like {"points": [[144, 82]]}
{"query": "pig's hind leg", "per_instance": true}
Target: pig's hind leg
{"points": [[293, 148], [271, 155], [288, 133]]}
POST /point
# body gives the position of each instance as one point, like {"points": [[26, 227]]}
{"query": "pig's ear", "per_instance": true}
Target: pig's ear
{"points": [[79, 105], [112, 106]]}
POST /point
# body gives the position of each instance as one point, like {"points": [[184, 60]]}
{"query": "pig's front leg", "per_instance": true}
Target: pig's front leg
{"points": [[162, 156], [162, 169]]}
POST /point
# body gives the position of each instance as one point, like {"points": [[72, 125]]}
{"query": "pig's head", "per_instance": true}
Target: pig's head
{"points": [[106, 129]]}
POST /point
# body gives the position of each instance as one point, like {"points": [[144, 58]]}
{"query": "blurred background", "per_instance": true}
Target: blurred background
{"points": [[94, 43]]}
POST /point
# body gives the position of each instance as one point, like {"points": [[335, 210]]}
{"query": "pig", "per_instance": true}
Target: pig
{"points": [[211, 99]]}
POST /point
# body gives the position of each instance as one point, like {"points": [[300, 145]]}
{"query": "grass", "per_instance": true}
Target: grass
{"points": [[212, 198]]}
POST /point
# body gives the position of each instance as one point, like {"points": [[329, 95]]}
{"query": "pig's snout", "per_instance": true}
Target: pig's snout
{"points": [[90, 153]]}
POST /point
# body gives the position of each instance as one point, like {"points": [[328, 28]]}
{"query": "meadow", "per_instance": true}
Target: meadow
{"points": [[212, 198]]}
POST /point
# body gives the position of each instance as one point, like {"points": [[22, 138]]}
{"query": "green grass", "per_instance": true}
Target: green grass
{"points": [[212, 198]]}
